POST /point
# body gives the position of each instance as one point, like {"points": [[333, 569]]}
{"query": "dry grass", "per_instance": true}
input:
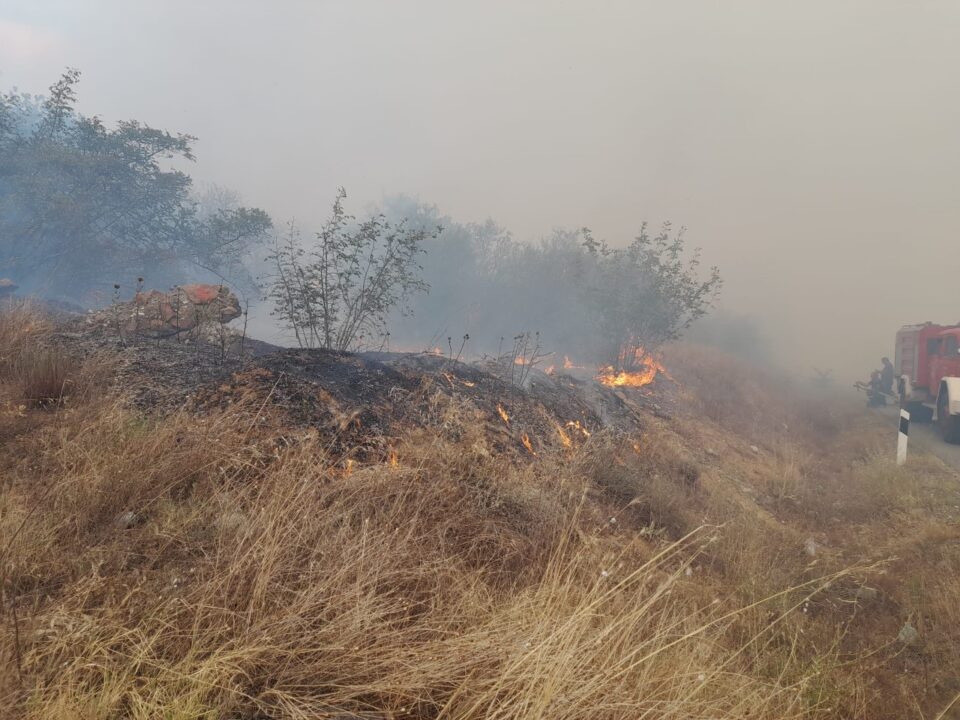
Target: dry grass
{"points": [[756, 403], [189, 568], [20, 325], [46, 375], [739, 397], [289, 588], [825, 479], [39, 374]]}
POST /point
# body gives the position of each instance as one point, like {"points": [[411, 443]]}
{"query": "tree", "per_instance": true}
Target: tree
{"points": [[646, 294], [339, 294], [588, 300], [80, 202]]}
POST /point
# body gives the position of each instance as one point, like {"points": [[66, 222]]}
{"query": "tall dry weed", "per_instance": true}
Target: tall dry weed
{"points": [[20, 325], [280, 584]]}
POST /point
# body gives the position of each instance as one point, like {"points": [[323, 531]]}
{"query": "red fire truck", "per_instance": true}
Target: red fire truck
{"points": [[927, 363]]}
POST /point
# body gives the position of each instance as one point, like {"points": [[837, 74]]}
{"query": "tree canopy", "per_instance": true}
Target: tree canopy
{"points": [[82, 203], [600, 303]]}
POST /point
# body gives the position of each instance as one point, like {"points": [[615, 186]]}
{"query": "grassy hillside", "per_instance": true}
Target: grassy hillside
{"points": [[753, 553]]}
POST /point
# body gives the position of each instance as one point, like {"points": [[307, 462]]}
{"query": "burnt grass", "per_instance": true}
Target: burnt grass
{"points": [[358, 403]]}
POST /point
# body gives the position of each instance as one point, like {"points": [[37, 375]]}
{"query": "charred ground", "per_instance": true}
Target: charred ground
{"points": [[359, 402]]}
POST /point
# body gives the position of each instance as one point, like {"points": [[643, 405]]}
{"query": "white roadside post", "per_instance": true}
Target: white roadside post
{"points": [[902, 437]]}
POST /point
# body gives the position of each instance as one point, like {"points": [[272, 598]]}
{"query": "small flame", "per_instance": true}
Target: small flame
{"points": [[636, 447], [575, 424], [453, 379], [503, 414], [520, 360], [646, 374], [564, 438], [569, 365], [549, 370], [349, 467], [525, 439], [394, 460]]}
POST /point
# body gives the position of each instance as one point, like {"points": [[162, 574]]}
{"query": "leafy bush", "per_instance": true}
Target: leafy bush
{"points": [[338, 294]]}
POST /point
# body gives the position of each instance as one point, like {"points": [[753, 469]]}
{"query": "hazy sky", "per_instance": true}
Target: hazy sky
{"points": [[812, 148]]}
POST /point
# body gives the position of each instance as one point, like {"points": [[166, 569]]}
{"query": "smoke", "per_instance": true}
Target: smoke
{"points": [[810, 148], [569, 292]]}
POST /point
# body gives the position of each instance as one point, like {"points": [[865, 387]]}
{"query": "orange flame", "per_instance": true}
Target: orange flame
{"points": [[394, 460], [453, 379], [569, 365], [349, 468], [646, 374], [549, 370], [525, 439], [503, 414], [575, 424], [520, 360], [564, 438]]}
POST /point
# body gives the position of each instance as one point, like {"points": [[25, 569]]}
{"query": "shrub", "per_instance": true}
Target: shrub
{"points": [[339, 295]]}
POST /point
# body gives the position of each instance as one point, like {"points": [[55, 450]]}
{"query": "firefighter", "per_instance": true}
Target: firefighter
{"points": [[886, 376], [875, 396]]}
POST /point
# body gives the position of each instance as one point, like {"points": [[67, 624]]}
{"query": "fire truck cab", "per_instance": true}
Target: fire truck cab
{"points": [[927, 364]]}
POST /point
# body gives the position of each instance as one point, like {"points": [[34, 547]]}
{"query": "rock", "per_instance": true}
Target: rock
{"points": [[810, 547], [908, 634], [867, 594], [153, 313], [754, 449], [7, 287], [127, 520], [712, 453]]}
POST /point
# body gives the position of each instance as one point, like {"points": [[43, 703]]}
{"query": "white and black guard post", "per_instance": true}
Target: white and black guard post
{"points": [[902, 437]]}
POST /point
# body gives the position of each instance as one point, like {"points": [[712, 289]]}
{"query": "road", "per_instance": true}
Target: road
{"points": [[926, 437]]}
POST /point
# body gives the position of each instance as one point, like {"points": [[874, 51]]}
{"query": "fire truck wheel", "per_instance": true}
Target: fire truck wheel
{"points": [[949, 424]]}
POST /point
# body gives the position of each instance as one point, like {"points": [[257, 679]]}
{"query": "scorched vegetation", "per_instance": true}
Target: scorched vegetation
{"points": [[228, 561]]}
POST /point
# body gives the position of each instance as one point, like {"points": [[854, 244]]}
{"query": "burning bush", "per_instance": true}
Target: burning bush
{"points": [[646, 294]]}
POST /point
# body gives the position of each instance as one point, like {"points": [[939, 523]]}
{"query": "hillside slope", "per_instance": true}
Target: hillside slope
{"points": [[309, 535]]}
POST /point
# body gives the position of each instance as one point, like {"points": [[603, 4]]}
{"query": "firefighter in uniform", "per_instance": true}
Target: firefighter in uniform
{"points": [[874, 390], [886, 376]]}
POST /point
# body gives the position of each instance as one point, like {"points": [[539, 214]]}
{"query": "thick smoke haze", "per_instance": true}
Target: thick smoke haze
{"points": [[810, 148]]}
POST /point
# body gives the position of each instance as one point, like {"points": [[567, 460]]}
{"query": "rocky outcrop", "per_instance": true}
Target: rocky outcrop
{"points": [[157, 314]]}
